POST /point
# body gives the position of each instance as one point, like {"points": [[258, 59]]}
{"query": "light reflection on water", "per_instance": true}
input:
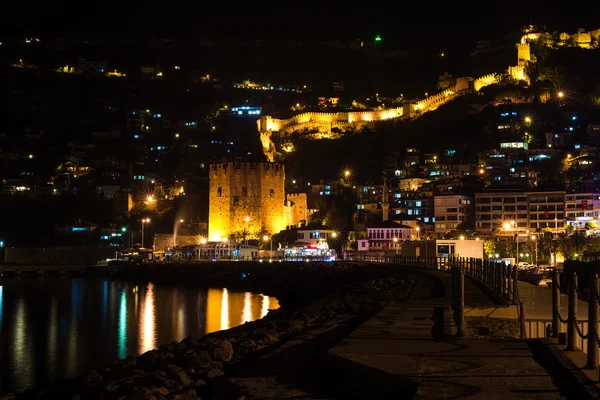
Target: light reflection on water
{"points": [[122, 335], [147, 321], [57, 328], [1, 308]]}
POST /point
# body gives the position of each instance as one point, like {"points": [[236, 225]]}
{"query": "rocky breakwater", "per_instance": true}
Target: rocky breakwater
{"points": [[189, 369]]}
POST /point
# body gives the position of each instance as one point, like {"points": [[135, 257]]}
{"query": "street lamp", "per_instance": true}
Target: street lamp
{"points": [[462, 237], [150, 199], [124, 230], [418, 229], [334, 234], [266, 238], [347, 175], [534, 238], [513, 228], [247, 219], [225, 240], [396, 244], [144, 221]]}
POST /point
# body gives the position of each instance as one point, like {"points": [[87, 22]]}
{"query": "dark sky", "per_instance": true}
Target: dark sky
{"points": [[456, 21]]}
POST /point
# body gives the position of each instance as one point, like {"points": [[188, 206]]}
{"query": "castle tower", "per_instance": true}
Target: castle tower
{"points": [[245, 196], [385, 206], [523, 52]]}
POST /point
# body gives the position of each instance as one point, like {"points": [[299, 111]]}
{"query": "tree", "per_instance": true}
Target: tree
{"points": [[554, 75], [489, 246], [590, 225], [445, 81]]}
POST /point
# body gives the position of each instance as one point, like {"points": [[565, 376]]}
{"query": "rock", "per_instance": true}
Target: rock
{"points": [[149, 356], [166, 355], [187, 395], [116, 386], [93, 378], [216, 364], [200, 382], [189, 341], [297, 324], [161, 390], [9, 396], [202, 358], [173, 386], [221, 350], [214, 373], [180, 373], [143, 394], [248, 344]]}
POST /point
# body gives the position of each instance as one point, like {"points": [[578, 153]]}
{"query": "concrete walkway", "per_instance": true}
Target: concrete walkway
{"points": [[537, 301], [397, 352]]}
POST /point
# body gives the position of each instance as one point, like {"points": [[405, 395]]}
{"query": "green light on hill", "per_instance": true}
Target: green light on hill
{"points": [[378, 38]]}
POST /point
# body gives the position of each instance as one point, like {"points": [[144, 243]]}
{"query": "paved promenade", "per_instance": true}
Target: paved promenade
{"points": [[537, 301], [401, 353]]}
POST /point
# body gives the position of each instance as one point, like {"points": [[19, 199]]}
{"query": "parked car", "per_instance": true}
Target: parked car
{"points": [[524, 265]]}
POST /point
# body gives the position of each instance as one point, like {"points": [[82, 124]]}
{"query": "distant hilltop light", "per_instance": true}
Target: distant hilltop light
{"points": [[378, 38]]}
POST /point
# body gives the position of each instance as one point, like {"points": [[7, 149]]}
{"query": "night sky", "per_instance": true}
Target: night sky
{"points": [[439, 28]]}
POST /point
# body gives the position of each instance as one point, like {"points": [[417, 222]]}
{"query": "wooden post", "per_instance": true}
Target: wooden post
{"points": [[509, 285], [592, 344], [556, 326], [571, 330], [460, 324]]}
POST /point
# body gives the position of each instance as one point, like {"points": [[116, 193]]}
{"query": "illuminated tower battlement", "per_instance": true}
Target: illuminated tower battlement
{"points": [[245, 195]]}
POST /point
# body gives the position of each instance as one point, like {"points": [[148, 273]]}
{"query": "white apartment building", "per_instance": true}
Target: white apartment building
{"points": [[533, 210], [581, 208], [385, 235], [546, 210], [451, 211], [494, 209], [313, 235]]}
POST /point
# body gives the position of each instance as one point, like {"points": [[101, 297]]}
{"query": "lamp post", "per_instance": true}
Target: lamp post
{"points": [[247, 219], [396, 244], [512, 226], [534, 238], [347, 175], [203, 242], [267, 238], [418, 228], [144, 221], [225, 240]]}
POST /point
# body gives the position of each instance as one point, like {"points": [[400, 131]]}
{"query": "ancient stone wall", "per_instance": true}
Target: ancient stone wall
{"points": [[297, 209], [164, 241], [241, 190], [484, 81]]}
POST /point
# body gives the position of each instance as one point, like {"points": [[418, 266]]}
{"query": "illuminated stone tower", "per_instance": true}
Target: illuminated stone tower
{"points": [[523, 52], [245, 195]]}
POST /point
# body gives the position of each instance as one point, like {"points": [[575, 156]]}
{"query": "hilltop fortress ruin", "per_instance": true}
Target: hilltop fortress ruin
{"points": [[324, 122]]}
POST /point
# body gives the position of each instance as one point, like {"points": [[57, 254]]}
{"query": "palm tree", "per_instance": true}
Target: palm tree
{"points": [[445, 81]]}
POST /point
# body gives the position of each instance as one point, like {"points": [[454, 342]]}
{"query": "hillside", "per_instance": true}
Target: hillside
{"points": [[459, 125]]}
